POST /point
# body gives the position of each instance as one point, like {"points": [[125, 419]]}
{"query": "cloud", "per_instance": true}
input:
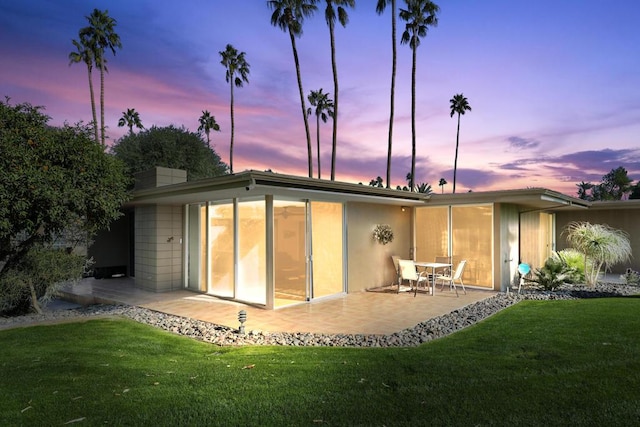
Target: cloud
{"points": [[522, 143]]}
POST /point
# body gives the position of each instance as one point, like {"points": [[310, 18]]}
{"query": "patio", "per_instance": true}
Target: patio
{"points": [[354, 313]]}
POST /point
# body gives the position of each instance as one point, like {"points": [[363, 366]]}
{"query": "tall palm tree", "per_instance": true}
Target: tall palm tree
{"points": [[459, 105], [289, 15], [324, 108], [419, 16], [130, 118], [236, 75], [207, 124], [442, 183], [330, 16], [84, 53], [101, 34], [380, 7]]}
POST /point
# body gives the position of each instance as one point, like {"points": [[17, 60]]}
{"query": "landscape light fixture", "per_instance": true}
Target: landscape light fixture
{"points": [[242, 317]]}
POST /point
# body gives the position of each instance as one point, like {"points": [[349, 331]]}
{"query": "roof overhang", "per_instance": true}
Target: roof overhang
{"points": [[254, 184], [527, 199]]}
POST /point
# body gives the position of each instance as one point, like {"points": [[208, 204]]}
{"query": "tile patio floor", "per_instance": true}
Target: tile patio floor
{"points": [[355, 313]]}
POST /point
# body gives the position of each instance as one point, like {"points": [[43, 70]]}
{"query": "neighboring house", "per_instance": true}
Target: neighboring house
{"points": [[272, 240]]}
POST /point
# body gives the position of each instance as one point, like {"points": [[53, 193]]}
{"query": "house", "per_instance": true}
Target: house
{"points": [[271, 240]]}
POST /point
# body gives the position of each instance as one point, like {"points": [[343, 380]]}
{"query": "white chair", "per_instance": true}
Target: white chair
{"points": [[409, 272], [445, 260], [457, 276], [396, 267]]}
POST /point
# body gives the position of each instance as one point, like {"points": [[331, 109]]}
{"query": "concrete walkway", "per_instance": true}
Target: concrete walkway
{"points": [[355, 313]]}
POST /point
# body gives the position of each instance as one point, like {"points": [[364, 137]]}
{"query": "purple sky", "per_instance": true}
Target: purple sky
{"points": [[554, 84]]}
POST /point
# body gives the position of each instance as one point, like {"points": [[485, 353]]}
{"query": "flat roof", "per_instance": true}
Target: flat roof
{"points": [[253, 184]]}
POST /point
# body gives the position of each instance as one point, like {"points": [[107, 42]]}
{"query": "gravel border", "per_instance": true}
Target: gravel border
{"points": [[428, 330]]}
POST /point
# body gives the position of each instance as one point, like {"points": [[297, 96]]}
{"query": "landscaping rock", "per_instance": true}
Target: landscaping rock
{"points": [[423, 332]]}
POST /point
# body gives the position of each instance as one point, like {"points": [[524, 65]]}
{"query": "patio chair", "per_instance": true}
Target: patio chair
{"points": [[409, 272], [396, 267], [444, 260], [451, 279]]}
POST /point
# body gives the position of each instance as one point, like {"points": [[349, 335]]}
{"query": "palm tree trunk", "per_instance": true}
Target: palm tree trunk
{"points": [[393, 88], [335, 103], [413, 119], [302, 103], [101, 99], [318, 138], [93, 105], [232, 129], [455, 162]]}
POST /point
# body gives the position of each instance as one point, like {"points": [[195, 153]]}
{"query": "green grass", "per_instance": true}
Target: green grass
{"points": [[537, 363]]}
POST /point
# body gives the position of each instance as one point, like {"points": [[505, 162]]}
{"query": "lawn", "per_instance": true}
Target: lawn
{"points": [[537, 363]]}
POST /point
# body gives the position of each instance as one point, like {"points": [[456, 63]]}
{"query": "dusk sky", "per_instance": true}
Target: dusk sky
{"points": [[554, 84]]}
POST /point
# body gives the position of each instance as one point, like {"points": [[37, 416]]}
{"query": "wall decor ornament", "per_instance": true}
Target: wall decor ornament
{"points": [[383, 234]]}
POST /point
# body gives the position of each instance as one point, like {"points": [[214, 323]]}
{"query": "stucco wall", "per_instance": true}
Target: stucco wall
{"points": [[369, 263], [623, 219]]}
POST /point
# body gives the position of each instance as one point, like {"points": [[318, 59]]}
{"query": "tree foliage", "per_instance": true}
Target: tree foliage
{"points": [[289, 15], [237, 73], [324, 109], [170, 147], [37, 277], [380, 7], [97, 37], [614, 186], [602, 246], [459, 105], [419, 16], [52, 179], [130, 118]]}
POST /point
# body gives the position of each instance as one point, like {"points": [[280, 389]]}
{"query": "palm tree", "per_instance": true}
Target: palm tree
{"points": [[601, 245], [130, 118], [583, 189], [380, 7], [324, 107], [419, 15], [330, 16], [459, 105], [84, 53], [442, 183], [101, 35], [207, 124], [237, 73], [424, 188], [289, 15]]}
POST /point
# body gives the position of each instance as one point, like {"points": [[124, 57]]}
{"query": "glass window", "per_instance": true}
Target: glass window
{"points": [[326, 226], [251, 280], [472, 239], [290, 254], [196, 278], [221, 264], [432, 233]]}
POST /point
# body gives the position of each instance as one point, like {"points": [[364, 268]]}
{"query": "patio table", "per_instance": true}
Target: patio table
{"points": [[433, 266]]}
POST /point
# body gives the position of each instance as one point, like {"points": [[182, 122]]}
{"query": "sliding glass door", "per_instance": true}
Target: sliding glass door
{"points": [[231, 243]]}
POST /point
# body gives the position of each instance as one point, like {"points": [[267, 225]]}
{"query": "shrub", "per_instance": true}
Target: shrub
{"points": [[631, 277], [36, 278], [575, 260], [556, 272]]}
